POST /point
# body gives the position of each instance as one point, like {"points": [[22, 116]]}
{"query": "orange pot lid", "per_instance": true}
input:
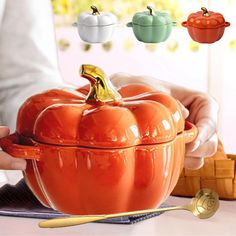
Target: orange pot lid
{"points": [[101, 117], [206, 19]]}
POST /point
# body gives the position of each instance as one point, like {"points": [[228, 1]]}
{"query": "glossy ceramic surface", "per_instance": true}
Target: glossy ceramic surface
{"points": [[78, 180], [151, 26], [87, 156], [148, 118], [96, 27], [206, 27]]}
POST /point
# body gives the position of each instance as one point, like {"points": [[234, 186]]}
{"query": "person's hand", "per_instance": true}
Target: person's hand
{"points": [[202, 111], [8, 162]]}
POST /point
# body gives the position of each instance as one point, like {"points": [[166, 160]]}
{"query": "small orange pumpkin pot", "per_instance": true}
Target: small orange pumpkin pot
{"points": [[205, 26], [98, 150]]}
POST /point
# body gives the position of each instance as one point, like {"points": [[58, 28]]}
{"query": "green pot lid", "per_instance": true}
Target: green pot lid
{"points": [[151, 18]]}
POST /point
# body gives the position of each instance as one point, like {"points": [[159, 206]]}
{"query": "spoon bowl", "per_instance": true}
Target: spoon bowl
{"points": [[205, 203]]}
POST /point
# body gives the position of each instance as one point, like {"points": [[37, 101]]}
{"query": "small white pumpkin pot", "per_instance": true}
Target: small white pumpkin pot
{"points": [[96, 27]]}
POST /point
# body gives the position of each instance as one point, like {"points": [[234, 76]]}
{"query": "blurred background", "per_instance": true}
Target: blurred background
{"points": [[179, 60]]}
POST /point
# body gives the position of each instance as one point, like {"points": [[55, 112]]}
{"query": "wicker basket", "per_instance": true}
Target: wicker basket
{"points": [[218, 174]]}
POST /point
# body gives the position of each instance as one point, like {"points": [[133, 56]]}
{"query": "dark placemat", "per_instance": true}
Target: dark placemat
{"points": [[18, 201]]}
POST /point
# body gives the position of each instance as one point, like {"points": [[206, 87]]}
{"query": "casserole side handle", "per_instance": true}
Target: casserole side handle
{"points": [[184, 24], [130, 24], [190, 132], [227, 24], [10, 144]]}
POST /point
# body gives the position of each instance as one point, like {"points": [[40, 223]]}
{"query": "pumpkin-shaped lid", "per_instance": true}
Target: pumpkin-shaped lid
{"points": [[206, 19], [96, 18], [151, 18], [103, 118]]}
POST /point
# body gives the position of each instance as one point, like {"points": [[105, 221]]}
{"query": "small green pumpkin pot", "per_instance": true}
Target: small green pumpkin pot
{"points": [[151, 26]]}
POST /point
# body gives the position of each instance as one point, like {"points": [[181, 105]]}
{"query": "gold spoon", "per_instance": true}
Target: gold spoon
{"points": [[203, 205]]}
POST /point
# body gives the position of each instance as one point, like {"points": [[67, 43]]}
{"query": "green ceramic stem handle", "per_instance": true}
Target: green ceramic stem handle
{"points": [[151, 11]]}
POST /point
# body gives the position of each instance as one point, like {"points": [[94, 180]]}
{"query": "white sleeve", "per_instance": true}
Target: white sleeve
{"points": [[28, 58], [2, 8]]}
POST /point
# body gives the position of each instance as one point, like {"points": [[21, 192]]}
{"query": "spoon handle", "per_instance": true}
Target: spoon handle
{"points": [[78, 220]]}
